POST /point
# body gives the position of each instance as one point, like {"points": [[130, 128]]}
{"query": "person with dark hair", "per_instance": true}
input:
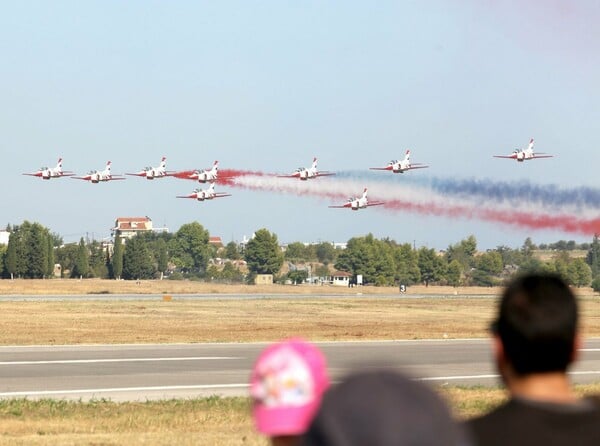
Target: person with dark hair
{"points": [[535, 340], [382, 408]]}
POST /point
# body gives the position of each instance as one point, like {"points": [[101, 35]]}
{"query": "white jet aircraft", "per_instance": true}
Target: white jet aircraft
{"points": [[525, 154], [356, 203], [202, 176], [205, 194], [307, 174], [154, 172], [96, 176], [46, 173], [401, 166]]}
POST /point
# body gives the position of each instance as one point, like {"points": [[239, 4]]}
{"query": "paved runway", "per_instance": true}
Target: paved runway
{"points": [[141, 372]]}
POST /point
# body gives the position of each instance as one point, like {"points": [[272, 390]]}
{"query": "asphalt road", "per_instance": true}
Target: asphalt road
{"points": [[143, 372]]}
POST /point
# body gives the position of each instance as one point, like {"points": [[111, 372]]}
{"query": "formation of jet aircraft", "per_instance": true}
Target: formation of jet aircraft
{"points": [[211, 175]]}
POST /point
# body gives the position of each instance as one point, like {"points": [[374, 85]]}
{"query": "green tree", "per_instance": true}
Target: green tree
{"points": [[407, 264], [162, 256], [116, 266], [528, 248], [81, 267], [189, 248], [295, 251], [36, 252], [232, 252], [596, 284], [263, 254], [137, 260], [10, 260], [431, 265], [325, 252], [454, 273], [298, 276], [65, 257], [593, 256], [580, 273], [322, 271], [50, 256]]}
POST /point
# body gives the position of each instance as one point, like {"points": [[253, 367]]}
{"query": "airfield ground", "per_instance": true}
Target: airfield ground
{"points": [[224, 421]]}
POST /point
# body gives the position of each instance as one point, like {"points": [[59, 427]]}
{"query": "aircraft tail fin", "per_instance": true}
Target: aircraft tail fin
{"points": [[314, 163], [530, 146], [364, 195], [407, 155], [163, 162], [215, 166]]}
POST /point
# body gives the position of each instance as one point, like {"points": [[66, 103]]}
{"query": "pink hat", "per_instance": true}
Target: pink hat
{"points": [[287, 383]]}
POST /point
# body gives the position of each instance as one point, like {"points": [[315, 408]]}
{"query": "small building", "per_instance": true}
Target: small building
{"points": [[340, 278], [263, 279], [4, 236], [127, 227], [216, 242]]}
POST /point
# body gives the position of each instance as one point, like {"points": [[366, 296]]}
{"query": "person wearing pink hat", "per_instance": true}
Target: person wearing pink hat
{"points": [[287, 383]]}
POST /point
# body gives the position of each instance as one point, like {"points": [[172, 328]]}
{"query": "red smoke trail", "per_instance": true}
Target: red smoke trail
{"points": [[228, 176], [565, 223]]}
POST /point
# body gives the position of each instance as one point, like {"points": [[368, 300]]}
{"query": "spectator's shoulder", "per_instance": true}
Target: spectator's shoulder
{"points": [[494, 417]]}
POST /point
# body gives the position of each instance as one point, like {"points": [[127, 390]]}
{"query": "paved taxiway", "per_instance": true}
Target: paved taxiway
{"points": [[141, 372]]}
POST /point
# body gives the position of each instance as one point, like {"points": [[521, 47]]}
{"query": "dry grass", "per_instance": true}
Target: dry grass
{"points": [[233, 320], [99, 286], [211, 421]]}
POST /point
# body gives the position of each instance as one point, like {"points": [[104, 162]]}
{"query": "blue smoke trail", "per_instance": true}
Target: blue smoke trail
{"points": [[550, 195]]}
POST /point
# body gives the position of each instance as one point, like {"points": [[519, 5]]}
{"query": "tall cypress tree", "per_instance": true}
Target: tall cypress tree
{"points": [[117, 259], [10, 261], [82, 265], [50, 254]]}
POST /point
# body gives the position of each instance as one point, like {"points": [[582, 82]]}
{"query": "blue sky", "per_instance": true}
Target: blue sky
{"points": [[268, 85]]}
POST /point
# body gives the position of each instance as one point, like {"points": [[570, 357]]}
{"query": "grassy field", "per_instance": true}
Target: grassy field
{"points": [[100, 286], [227, 320], [212, 421]]}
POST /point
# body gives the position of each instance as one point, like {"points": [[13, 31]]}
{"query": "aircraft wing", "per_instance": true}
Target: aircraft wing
{"points": [[342, 206], [542, 155], [325, 174], [194, 195], [416, 166], [375, 203], [221, 195], [114, 178], [139, 174], [86, 178], [185, 174], [67, 174], [288, 176], [381, 168], [37, 174], [512, 157]]}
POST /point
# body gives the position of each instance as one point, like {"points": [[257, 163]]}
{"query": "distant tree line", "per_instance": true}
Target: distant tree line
{"points": [[33, 250]]}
